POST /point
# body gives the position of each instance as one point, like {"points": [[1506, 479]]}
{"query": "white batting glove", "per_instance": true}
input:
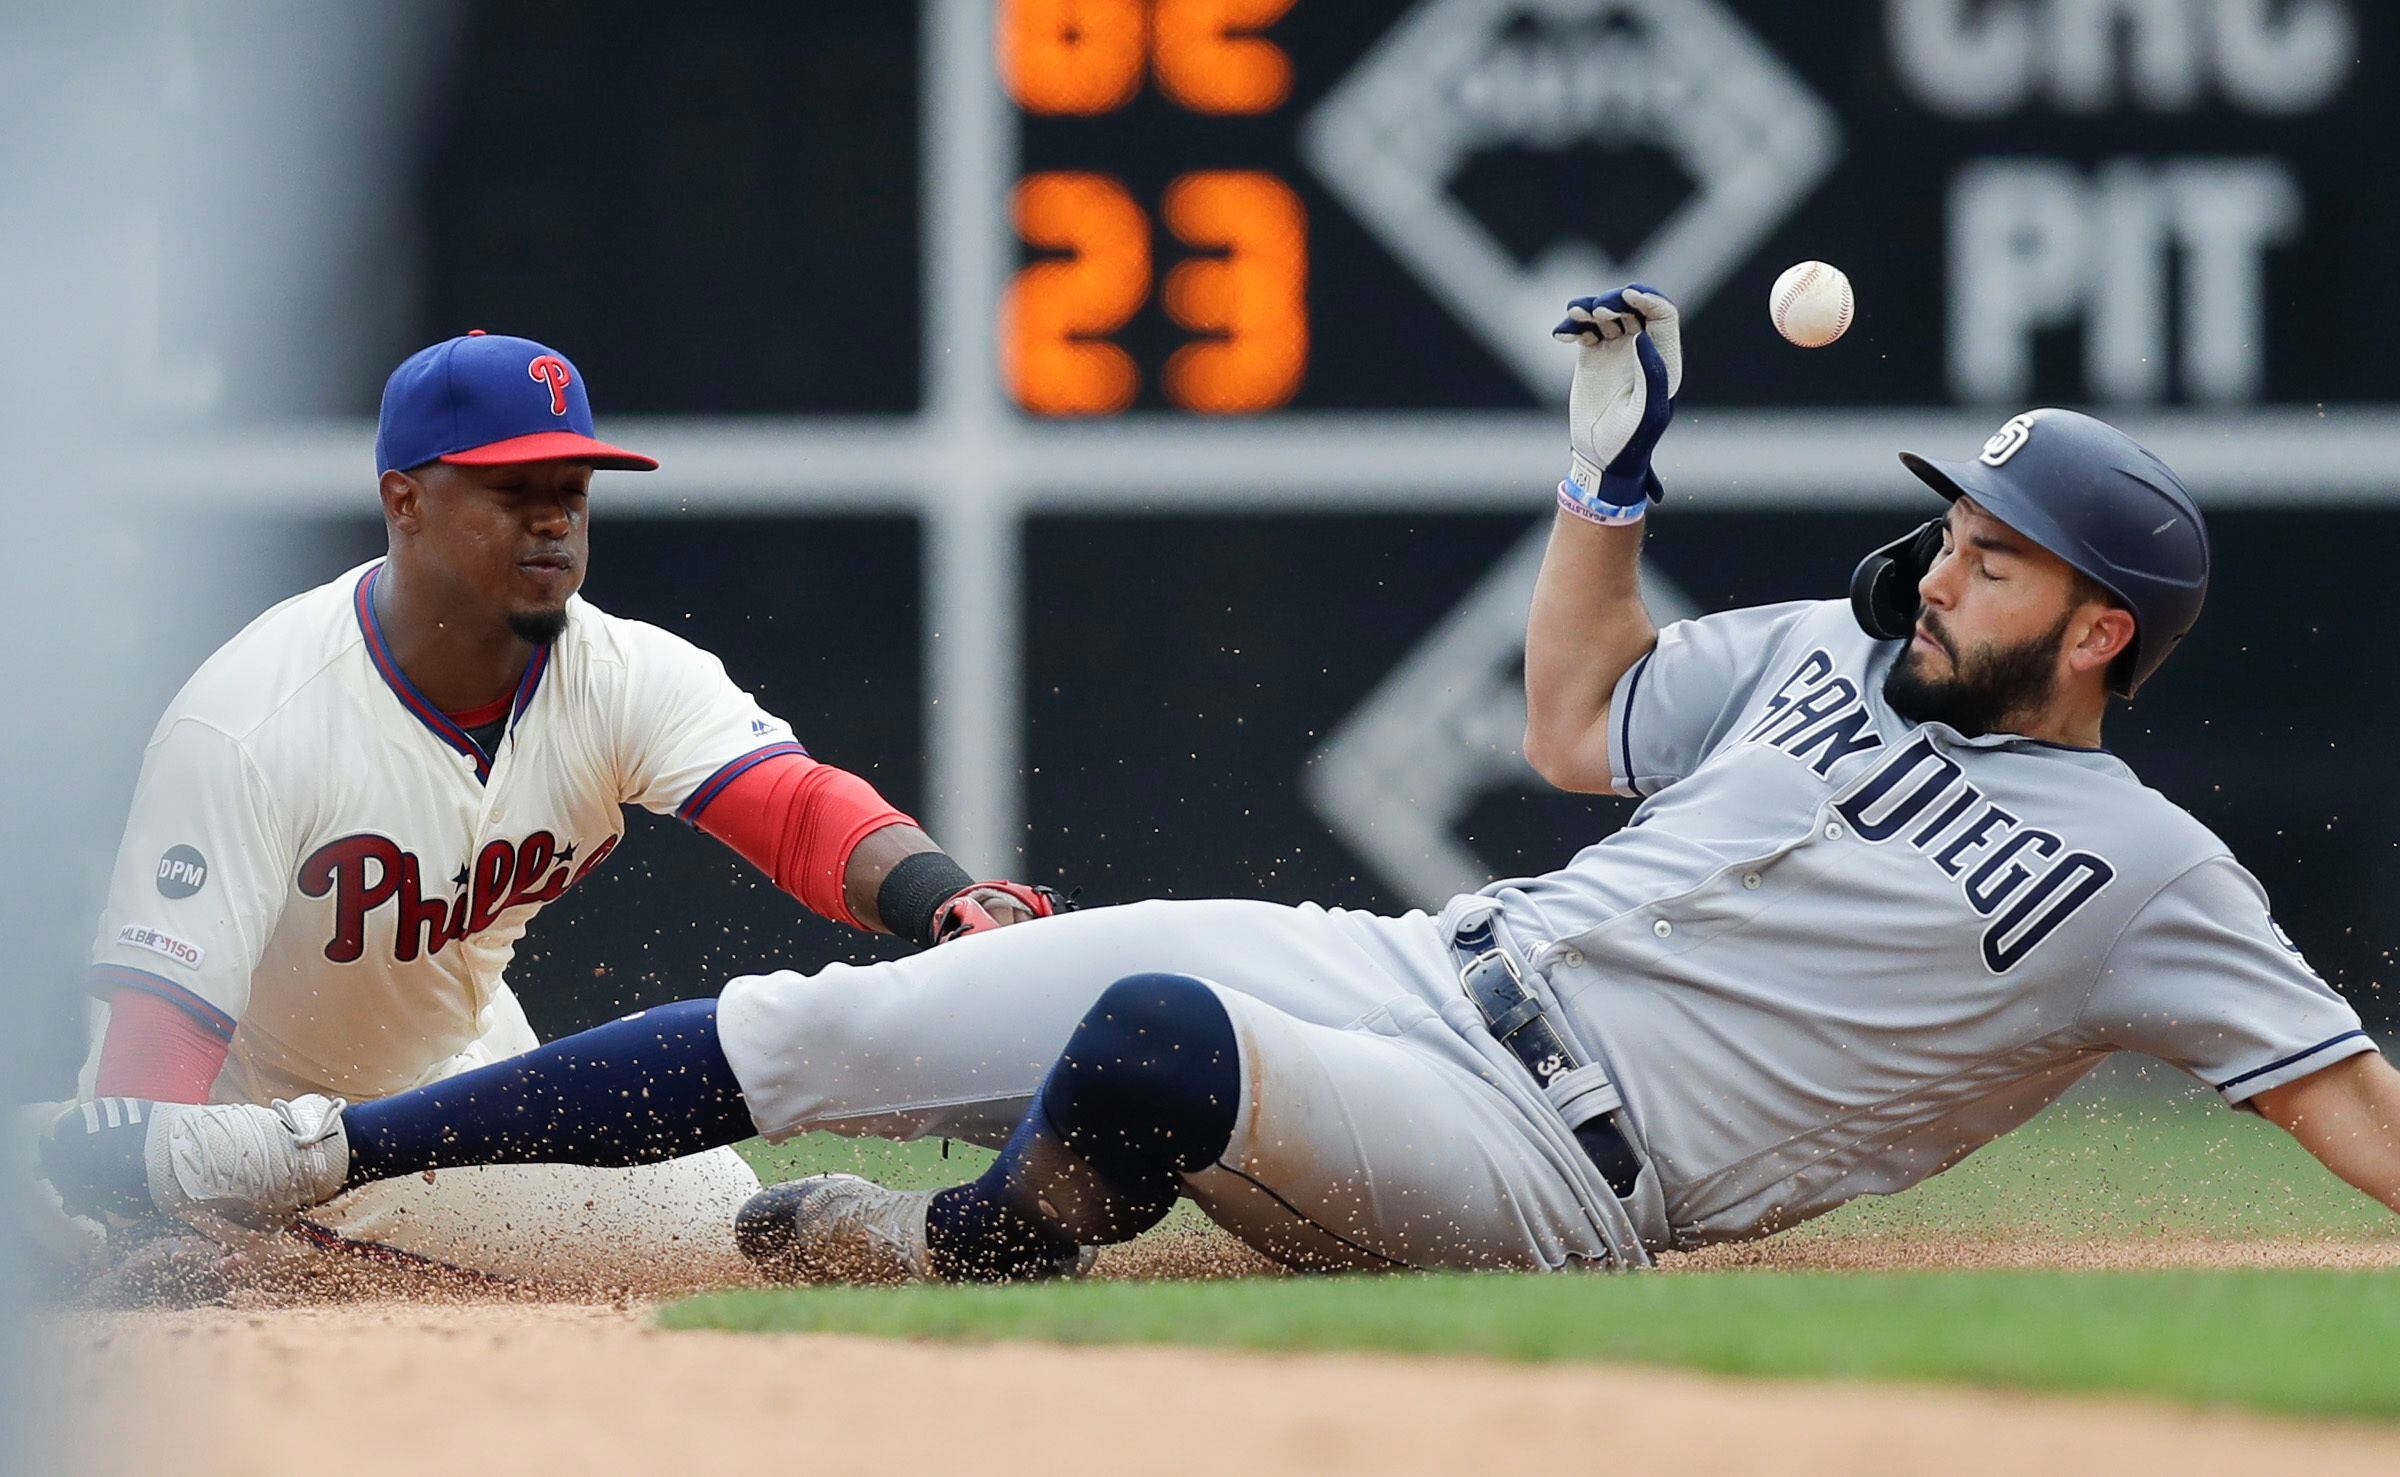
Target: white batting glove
{"points": [[1620, 402], [1664, 321]]}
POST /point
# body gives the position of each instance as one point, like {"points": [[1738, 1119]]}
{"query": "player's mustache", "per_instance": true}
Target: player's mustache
{"points": [[1941, 638]]}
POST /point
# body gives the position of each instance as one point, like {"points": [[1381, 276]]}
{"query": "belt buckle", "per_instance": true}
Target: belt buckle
{"points": [[1503, 1003], [1508, 1009], [1496, 957]]}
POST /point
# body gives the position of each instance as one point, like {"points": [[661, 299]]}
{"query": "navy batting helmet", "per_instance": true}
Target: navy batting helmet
{"points": [[2088, 493]]}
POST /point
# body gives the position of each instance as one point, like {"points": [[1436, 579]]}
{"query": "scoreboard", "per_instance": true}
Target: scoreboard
{"points": [[1177, 252], [1255, 207], [1234, 207]]}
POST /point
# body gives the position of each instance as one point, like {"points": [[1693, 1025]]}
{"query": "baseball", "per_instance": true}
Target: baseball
{"points": [[1811, 304]]}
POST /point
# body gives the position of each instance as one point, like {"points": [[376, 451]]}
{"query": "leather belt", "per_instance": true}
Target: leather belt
{"points": [[1517, 1021]]}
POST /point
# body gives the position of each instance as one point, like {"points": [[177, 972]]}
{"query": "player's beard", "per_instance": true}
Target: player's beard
{"points": [[541, 627], [1987, 686]]}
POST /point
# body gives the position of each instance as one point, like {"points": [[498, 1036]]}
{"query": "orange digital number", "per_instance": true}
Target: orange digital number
{"points": [[1072, 56], [1060, 311], [1251, 301], [1210, 58], [1083, 57]]}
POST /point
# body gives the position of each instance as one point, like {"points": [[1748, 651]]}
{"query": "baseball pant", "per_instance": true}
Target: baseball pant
{"points": [[1372, 1134]]}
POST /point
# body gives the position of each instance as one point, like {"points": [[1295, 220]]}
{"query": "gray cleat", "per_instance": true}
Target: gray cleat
{"points": [[842, 1228], [241, 1173]]}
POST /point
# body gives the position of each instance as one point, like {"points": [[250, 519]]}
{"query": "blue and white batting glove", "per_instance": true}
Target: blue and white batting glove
{"points": [[1628, 370]]}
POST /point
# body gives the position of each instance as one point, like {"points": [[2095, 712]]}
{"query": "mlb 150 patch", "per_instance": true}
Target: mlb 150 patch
{"points": [[159, 941]]}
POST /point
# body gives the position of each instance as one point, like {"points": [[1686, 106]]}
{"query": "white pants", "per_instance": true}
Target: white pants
{"points": [[1376, 1131], [653, 1226]]}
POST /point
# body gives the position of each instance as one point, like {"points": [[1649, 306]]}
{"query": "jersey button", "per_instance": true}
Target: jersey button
{"points": [[1833, 831], [1663, 928], [1572, 959], [1751, 880]]}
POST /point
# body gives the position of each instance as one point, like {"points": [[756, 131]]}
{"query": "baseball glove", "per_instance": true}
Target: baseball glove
{"points": [[970, 909]]}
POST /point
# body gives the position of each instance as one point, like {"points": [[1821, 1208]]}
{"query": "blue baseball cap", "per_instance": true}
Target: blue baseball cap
{"points": [[486, 400]]}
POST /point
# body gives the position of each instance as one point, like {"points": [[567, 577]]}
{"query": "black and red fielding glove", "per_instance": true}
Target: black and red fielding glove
{"points": [[982, 906]]}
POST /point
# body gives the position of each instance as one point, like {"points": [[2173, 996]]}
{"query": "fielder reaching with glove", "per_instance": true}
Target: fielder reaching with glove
{"points": [[1884, 896], [354, 809]]}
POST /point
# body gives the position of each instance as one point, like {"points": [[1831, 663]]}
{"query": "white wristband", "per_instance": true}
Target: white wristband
{"points": [[1591, 510]]}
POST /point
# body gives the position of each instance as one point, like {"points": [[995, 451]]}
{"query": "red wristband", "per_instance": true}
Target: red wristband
{"points": [[156, 1051]]}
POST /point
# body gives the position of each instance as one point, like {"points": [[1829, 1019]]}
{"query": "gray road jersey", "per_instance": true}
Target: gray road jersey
{"points": [[1834, 952]]}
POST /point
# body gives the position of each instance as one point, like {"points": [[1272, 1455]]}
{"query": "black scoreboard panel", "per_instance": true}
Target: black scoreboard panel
{"points": [[2189, 205], [714, 209], [720, 210]]}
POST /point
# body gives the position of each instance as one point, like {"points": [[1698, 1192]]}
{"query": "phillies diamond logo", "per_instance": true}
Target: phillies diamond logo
{"points": [[1658, 139]]}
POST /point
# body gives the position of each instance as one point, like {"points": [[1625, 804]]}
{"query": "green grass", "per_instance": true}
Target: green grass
{"points": [[921, 1165], [2302, 1343], [2111, 1166], [2129, 1164]]}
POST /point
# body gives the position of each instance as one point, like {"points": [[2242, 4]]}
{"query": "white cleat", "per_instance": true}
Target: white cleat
{"points": [[241, 1173], [841, 1228]]}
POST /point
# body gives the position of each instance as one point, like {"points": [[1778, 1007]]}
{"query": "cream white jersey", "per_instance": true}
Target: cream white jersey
{"points": [[331, 873]]}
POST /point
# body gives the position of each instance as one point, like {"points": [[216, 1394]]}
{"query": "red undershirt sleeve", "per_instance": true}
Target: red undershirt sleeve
{"points": [[156, 1050], [798, 821]]}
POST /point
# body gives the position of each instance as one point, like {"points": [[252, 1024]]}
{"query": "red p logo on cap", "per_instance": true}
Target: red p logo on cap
{"points": [[552, 371]]}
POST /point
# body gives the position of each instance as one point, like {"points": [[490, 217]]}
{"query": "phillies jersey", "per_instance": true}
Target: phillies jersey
{"points": [[332, 874]]}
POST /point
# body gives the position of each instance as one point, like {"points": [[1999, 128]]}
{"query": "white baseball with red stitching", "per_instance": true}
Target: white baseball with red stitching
{"points": [[1811, 304]]}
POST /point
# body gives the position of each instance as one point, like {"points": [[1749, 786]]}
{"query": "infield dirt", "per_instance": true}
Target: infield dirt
{"points": [[284, 1381], [378, 1389]]}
